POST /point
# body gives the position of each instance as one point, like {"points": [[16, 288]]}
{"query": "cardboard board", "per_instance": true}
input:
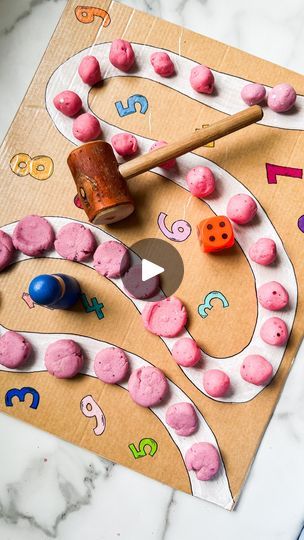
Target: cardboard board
{"points": [[234, 424]]}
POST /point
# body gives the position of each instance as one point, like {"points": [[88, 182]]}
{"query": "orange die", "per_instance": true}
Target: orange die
{"points": [[215, 234]]}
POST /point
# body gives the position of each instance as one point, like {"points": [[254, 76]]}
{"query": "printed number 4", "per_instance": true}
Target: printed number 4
{"points": [[131, 102], [141, 452]]}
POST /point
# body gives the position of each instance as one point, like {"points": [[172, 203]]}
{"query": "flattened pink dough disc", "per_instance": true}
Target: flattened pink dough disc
{"points": [[282, 97], [75, 242], [202, 79], [63, 359], [204, 459], [7, 250], [273, 296], [201, 181], [14, 350], [165, 318], [68, 103], [274, 331], [86, 127], [111, 259], [125, 144], [148, 386], [264, 251], [182, 418], [255, 369], [216, 382], [138, 288], [162, 64], [186, 352], [89, 70], [241, 208], [171, 163], [253, 93], [111, 365], [121, 54], [33, 235]]}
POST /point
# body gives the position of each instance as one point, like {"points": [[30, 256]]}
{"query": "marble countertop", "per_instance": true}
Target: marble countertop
{"points": [[51, 489]]}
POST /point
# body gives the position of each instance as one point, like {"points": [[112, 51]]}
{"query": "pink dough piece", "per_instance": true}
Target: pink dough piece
{"points": [[63, 359], [264, 251], [186, 352], [201, 181], [125, 144], [165, 318], [171, 163], [202, 79], [14, 350], [162, 64], [89, 70], [273, 296], [216, 382], [253, 93], [122, 54], [33, 235], [86, 127], [68, 103], [111, 365], [136, 287], [148, 386], [204, 459], [255, 369], [111, 259], [282, 98], [274, 331], [75, 242], [182, 418], [241, 208], [7, 250]]}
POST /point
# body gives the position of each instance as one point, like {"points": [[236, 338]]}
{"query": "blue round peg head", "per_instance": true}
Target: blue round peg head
{"points": [[45, 290]]}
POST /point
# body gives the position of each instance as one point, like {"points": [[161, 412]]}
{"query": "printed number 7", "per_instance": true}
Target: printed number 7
{"points": [[131, 102], [141, 452]]}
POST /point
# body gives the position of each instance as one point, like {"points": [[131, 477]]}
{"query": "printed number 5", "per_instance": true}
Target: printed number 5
{"points": [[141, 452], [180, 229], [131, 102]]}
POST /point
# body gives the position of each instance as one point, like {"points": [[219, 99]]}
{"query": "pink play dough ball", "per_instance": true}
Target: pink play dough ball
{"points": [[89, 70], [201, 181], [216, 382], [186, 352], [264, 251], [204, 459], [241, 208], [121, 54], [273, 296], [148, 386], [111, 259], [255, 369], [68, 103], [111, 365], [63, 359], [253, 93], [274, 331], [165, 318], [86, 127], [75, 242], [125, 144], [33, 235], [7, 250], [202, 79], [171, 163], [282, 97], [14, 350], [162, 64], [182, 418]]}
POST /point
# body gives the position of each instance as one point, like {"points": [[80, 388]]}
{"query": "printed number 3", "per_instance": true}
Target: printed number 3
{"points": [[141, 452], [131, 102]]}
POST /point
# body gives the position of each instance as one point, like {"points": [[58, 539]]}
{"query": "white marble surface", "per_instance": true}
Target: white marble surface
{"points": [[50, 489]]}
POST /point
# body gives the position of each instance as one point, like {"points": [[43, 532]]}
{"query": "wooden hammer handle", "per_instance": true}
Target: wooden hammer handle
{"points": [[194, 140]]}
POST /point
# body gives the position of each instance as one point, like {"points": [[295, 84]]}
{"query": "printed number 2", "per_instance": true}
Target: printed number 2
{"points": [[141, 452], [131, 102]]}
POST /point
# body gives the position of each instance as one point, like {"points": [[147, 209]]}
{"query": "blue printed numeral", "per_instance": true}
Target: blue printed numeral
{"points": [[20, 393], [131, 102], [93, 306]]}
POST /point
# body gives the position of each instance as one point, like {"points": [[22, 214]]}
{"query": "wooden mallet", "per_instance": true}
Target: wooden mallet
{"points": [[101, 181]]}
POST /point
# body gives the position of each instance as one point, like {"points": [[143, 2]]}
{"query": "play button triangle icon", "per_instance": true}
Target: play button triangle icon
{"points": [[150, 269]]}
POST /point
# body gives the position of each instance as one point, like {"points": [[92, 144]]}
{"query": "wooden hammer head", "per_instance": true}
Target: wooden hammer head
{"points": [[102, 190]]}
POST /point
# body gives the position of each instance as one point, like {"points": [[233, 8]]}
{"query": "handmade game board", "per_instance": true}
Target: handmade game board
{"points": [[219, 291]]}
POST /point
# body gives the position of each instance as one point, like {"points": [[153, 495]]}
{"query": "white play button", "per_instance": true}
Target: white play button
{"points": [[150, 269]]}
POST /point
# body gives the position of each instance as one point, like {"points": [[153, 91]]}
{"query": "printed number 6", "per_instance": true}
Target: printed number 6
{"points": [[180, 229], [141, 452], [131, 102]]}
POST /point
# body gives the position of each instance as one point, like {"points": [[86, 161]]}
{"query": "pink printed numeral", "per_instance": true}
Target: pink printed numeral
{"points": [[277, 170], [91, 409], [180, 229]]}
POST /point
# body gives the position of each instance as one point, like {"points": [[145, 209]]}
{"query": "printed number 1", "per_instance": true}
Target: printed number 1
{"points": [[131, 102]]}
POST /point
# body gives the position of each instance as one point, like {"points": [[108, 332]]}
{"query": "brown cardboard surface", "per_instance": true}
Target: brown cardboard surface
{"points": [[237, 427]]}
